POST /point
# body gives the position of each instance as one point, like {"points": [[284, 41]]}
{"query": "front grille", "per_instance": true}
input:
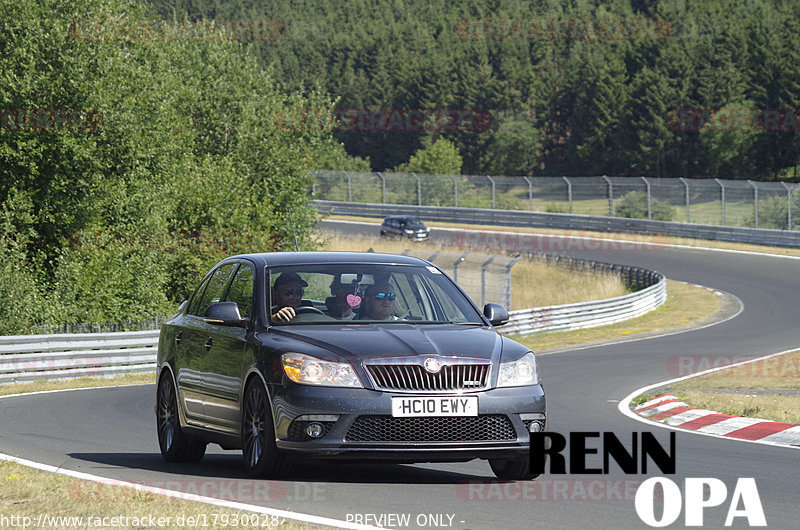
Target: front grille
{"points": [[414, 377], [486, 428]]}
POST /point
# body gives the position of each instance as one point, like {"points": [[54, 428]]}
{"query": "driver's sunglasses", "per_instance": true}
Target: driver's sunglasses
{"points": [[388, 296], [293, 292]]}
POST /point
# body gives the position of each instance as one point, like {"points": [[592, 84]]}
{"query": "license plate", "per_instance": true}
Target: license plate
{"points": [[418, 407]]}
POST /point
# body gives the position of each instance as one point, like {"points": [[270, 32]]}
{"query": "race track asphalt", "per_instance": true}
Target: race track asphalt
{"points": [[111, 432]]}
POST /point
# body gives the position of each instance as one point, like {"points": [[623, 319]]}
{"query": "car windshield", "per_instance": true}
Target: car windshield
{"points": [[366, 294]]}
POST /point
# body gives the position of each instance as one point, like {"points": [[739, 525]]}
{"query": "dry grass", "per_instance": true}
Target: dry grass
{"points": [[533, 283], [540, 284], [687, 306], [42, 386], [765, 389], [29, 493], [639, 238], [780, 372], [774, 407]]}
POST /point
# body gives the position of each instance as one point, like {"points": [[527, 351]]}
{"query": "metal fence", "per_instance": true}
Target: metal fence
{"points": [[485, 278], [720, 202], [480, 216]]}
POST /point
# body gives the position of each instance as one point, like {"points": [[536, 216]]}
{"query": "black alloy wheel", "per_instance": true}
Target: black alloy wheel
{"points": [[261, 456], [175, 447]]}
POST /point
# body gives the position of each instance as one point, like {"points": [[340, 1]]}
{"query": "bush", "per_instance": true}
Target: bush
{"points": [[634, 206], [773, 212]]}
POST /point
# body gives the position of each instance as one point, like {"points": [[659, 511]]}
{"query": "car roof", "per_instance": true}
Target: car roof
{"points": [[401, 217], [270, 259]]}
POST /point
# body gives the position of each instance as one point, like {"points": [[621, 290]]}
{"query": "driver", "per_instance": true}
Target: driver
{"points": [[287, 294]]}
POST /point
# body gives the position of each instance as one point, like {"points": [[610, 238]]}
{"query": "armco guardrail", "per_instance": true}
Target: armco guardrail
{"points": [[26, 358], [70, 356], [586, 314], [757, 236]]}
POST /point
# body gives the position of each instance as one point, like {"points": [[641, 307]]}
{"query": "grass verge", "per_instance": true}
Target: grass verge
{"points": [[687, 306], [48, 500], [765, 389], [534, 283]]}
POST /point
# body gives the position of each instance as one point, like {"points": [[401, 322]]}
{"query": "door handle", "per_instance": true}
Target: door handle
{"points": [[178, 337], [209, 343]]}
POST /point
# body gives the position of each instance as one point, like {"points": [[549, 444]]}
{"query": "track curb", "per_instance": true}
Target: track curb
{"points": [[668, 409]]}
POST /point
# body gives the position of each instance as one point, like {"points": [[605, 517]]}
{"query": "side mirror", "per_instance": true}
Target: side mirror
{"points": [[224, 314], [496, 314]]}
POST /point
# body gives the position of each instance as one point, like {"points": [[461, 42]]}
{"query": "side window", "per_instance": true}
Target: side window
{"points": [[215, 288], [241, 290], [198, 296]]}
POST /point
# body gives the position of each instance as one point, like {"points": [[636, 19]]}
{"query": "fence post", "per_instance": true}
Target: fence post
{"points": [[788, 206], [494, 204], [383, 187], [457, 263], [483, 279], [530, 193], [569, 192], [419, 189], [755, 200], [349, 187], [507, 282], [649, 205], [610, 196], [688, 214], [455, 190], [722, 198]]}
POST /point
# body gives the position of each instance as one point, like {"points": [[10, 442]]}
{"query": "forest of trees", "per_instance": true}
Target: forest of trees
{"points": [[561, 101], [141, 140], [127, 168]]}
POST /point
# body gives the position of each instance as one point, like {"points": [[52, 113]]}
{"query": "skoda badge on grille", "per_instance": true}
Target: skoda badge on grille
{"points": [[432, 365]]}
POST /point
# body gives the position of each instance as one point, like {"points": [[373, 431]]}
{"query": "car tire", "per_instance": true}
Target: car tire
{"points": [[511, 469], [261, 455], [174, 445]]}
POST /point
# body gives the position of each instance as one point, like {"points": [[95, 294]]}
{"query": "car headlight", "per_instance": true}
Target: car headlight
{"points": [[521, 372], [309, 370], [408, 231]]}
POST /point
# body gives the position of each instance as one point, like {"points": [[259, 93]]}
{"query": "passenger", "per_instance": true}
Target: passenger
{"points": [[287, 294], [378, 303], [345, 300]]}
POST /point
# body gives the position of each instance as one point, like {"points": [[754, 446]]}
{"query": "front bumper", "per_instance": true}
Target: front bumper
{"points": [[497, 432]]}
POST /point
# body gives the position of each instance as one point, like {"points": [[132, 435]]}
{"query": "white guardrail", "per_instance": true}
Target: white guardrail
{"points": [[25, 358]]}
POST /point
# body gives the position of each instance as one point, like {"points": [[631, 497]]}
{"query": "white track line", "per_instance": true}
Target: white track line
{"points": [[624, 404], [295, 516]]}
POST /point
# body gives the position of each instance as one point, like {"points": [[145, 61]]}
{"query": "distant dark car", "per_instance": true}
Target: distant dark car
{"points": [[405, 226], [385, 359]]}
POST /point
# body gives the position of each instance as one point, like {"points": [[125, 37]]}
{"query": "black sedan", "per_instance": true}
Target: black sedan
{"points": [[357, 356], [405, 226]]}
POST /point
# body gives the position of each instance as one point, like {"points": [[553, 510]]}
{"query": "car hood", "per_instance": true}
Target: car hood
{"points": [[415, 227], [364, 342]]}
